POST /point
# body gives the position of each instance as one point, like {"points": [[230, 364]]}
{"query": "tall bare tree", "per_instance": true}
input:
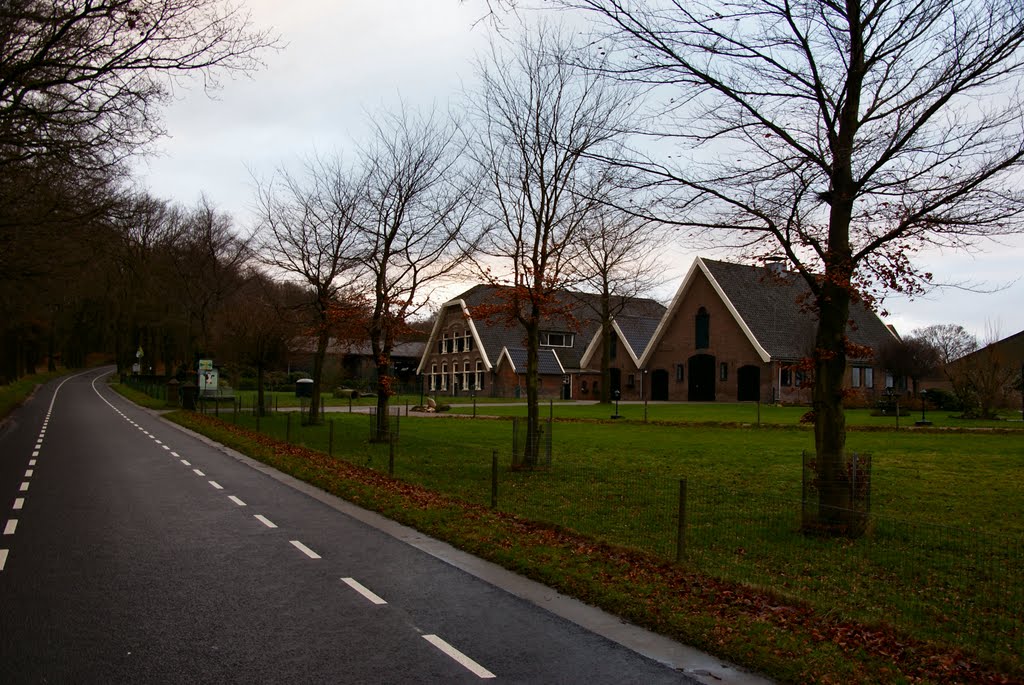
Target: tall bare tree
{"points": [[414, 226], [842, 135], [618, 260], [539, 122], [309, 232]]}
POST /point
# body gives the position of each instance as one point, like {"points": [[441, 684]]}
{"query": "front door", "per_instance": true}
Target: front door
{"points": [[748, 381], [659, 385], [702, 378], [615, 380]]}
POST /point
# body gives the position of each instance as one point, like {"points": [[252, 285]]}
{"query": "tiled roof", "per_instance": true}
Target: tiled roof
{"points": [[584, 324], [547, 361], [770, 305]]}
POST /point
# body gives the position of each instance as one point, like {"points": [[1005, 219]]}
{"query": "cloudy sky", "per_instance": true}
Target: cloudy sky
{"points": [[345, 59]]}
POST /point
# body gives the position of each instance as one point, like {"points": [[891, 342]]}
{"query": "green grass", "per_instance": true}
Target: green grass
{"points": [[13, 394]]}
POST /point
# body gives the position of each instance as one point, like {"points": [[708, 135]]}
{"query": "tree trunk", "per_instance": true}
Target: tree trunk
{"points": [[606, 352], [530, 453], [829, 418], [318, 371]]}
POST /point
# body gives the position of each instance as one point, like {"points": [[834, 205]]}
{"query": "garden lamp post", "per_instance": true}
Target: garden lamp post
{"points": [[923, 421], [617, 394]]}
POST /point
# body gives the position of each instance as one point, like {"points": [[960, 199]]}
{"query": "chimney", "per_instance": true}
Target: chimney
{"points": [[777, 265]]}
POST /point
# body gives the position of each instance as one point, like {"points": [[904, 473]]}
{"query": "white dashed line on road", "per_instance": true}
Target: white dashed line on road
{"points": [[198, 472], [35, 453], [186, 463], [236, 500], [12, 525], [265, 521], [31, 462], [216, 485], [165, 447], [29, 472], [18, 503], [23, 488], [463, 660], [3, 558], [361, 589], [175, 454], [305, 550]]}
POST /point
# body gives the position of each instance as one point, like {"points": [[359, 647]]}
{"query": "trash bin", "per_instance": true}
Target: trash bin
{"points": [[189, 392], [304, 387]]}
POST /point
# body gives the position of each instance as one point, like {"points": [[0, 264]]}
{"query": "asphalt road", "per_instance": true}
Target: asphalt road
{"points": [[135, 553]]}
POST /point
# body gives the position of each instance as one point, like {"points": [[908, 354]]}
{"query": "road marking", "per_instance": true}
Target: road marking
{"points": [[175, 454], [185, 463], [157, 441], [236, 500], [265, 521], [3, 558], [165, 447], [305, 550], [216, 484], [23, 488], [28, 473], [35, 453], [361, 589], [463, 660], [18, 503], [31, 462], [39, 445], [198, 472], [12, 525]]}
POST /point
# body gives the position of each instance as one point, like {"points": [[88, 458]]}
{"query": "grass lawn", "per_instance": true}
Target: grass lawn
{"points": [[942, 561]]}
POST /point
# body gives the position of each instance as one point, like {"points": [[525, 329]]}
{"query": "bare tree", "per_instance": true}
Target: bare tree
{"points": [[618, 260], [843, 135], [539, 122], [951, 340], [413, 226], [85, 79], [308, 231]]}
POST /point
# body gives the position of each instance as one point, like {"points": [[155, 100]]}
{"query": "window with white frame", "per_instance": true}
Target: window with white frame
{"points": [[556, 339], [444, 377], [855, 377], [433, 377], [465, 376], [479, 375]]}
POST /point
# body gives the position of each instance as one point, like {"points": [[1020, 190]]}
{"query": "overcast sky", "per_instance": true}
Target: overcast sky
{"points": [[345, 58]]}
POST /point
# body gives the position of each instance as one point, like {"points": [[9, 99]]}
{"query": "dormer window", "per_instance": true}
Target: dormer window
{"points": [[552, 339]]}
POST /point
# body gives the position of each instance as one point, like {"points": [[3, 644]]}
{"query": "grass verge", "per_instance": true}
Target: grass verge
{"points": [[13, 394], [781, 637]]}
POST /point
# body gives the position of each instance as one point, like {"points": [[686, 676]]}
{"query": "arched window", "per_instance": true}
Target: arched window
{"points": [[703, 333]]}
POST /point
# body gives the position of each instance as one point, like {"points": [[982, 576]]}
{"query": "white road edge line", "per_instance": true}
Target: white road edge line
{"points": [[265, 521], [305, 550], [12, 525], [215, 484], [236, 500], [463, 660], [361, 589]]}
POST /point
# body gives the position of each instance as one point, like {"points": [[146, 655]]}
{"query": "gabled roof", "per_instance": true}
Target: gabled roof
{"points": [[766, 305], [495, 336]]}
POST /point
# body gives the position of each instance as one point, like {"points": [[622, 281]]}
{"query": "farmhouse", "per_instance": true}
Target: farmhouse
{"points": [[732, 333], [739, 333], [468, 353]]}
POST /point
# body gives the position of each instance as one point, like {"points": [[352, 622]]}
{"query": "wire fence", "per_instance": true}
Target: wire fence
{"points": [[952, 585]]}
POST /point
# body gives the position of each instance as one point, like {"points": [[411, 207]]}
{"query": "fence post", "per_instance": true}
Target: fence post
{"points": [[391, 453], [330, 439], [681, 533], [494, 479], [288, 429]]}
